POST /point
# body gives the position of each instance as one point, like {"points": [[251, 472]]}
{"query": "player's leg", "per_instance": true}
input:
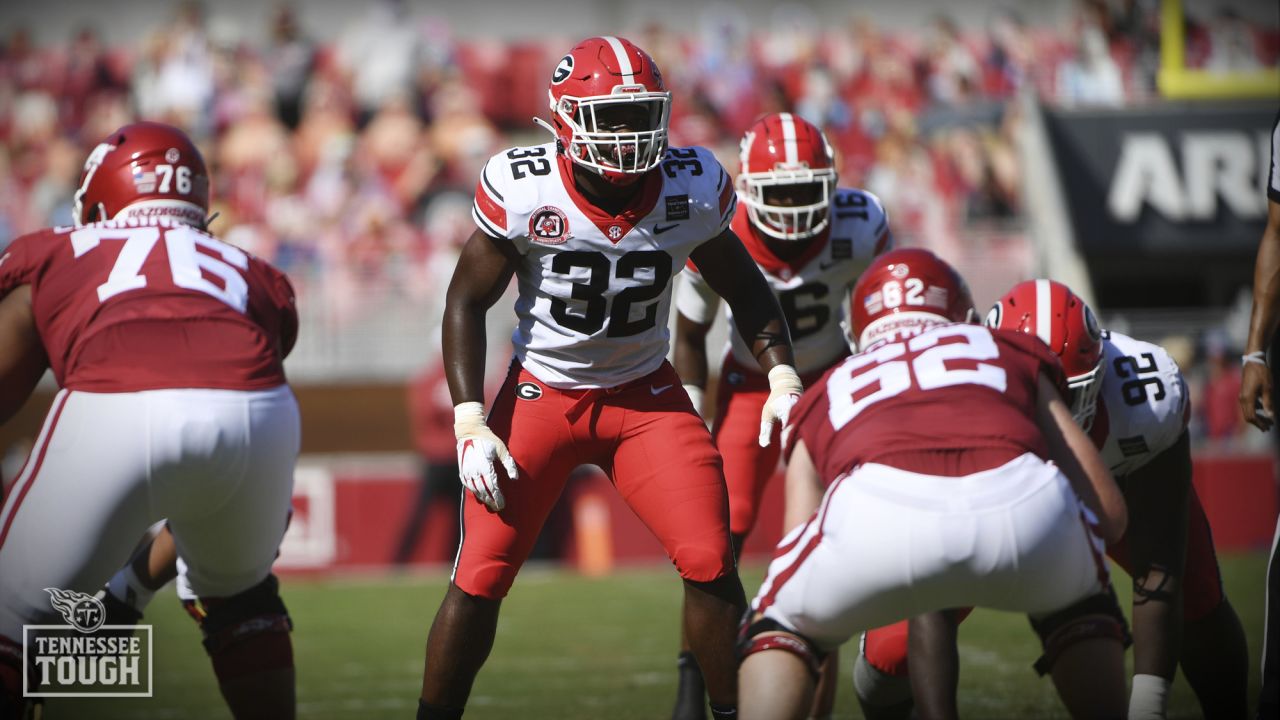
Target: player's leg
{"points": [[223, 466], [880, 679], [1269, 697], [153, 564], [495, 545], [668, 471], [735, 433], [74, 513], [779, 672], [935, 663], [1215, 653]]}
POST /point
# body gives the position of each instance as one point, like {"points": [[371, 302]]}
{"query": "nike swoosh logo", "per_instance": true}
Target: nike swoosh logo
{"points": [[659, 390], [659, 229]]}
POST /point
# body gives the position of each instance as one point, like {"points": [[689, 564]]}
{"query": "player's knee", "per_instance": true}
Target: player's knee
{"points": [[876, 687], [1095, 617], [759, 635], [248, 632], [488, 581], [885, 649], [704, 562]]}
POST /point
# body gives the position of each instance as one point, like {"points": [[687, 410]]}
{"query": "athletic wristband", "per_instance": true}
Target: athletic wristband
{"points": [[467, 417], [784, 377], [1259, 357]]}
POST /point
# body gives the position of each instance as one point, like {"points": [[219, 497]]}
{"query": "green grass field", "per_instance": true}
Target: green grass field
{"points": [[567, 647]]}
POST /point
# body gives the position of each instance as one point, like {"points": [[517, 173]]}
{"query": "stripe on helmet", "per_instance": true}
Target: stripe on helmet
{"points": [[789, 139], [1044, 312], [624, 62]]}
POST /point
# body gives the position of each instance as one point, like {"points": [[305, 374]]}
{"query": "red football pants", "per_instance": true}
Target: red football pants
{"points": [[886, 647], [646, 437], [740, 398]]}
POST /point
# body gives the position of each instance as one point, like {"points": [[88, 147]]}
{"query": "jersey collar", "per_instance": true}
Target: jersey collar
{"points": [[613, 227], [764, 257]]}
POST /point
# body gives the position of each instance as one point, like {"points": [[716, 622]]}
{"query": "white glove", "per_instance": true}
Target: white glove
{"points": [[784, 392], [478, 447], [696, 395]]}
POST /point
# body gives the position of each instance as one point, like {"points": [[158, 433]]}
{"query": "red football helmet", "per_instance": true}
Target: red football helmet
{"points": [[610, 109], [901, 294], [1051, 312], [144, 170], [782, 150]]}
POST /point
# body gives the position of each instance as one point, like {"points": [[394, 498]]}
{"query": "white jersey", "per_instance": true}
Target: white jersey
{"points": [[1145, 401], [810, 289], [595, 289]]}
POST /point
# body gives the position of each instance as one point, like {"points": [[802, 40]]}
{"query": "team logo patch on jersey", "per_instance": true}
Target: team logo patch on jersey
{"points": [[548, 225], [677, 207], [614, 232], [528, 391], [841, 248]]}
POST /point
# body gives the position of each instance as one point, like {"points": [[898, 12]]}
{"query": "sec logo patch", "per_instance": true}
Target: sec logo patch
{"points": [[528, 391]]}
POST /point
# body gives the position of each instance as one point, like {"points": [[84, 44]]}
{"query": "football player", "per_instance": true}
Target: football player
{"points": [[955, 477], [1129, 396], [594, 225], [811, 239], [168, 345], [1257, 402]]}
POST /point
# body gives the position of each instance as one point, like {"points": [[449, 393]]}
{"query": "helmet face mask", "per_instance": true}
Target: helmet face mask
{"points": [[610, 109], [1052, 312], [787, 178]]}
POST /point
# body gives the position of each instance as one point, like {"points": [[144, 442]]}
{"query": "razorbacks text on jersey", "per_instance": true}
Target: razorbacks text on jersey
{"points": [[128, 306], [811, 288], [1144, 403], [594, 290]]}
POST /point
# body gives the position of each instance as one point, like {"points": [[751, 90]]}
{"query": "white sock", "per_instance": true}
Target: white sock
{"points": [[127, 588], [1148, 698]]}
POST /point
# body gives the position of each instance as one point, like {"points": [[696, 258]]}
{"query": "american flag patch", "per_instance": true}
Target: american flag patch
{"points": [[935, 297], [144, 181], [873, 303], [1131, 446], [841, 248]]}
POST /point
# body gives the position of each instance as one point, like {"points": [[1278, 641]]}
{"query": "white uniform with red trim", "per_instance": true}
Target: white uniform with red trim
{"points": [[812, 289], [1145, 400], [594, 290]]}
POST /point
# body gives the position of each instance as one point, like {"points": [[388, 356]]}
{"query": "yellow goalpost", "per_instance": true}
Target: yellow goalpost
{"points": [[1177, 82]]}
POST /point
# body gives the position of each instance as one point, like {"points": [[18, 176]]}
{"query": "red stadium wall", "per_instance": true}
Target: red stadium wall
{"points": [[351, 516]]}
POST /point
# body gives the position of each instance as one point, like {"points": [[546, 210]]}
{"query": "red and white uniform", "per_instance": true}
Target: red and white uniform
{"points": [[168, 345], [811, 290], [591, 383], [939, 491]]}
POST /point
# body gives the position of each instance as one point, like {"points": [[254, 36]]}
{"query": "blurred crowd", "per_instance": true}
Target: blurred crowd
{"points": [[349, 160]]}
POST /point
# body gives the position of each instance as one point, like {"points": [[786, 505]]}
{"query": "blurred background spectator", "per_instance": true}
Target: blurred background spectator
{"points": [[345, 143]]}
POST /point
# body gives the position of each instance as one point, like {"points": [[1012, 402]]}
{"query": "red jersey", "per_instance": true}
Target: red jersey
{"points": [[951, 401], [121, 308]]}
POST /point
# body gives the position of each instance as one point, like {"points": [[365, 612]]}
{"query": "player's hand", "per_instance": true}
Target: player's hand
{"points": [[1255, 395], [784, 392], [478, 447]]}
